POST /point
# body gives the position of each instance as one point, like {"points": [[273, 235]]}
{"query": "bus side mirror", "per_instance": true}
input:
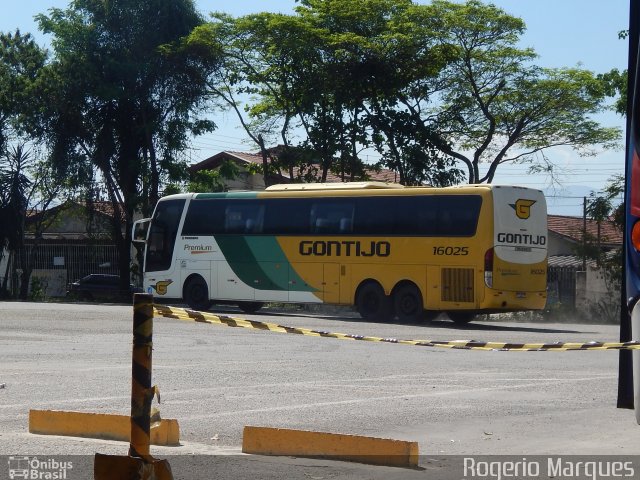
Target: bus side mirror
{"points": [[139, 232]]}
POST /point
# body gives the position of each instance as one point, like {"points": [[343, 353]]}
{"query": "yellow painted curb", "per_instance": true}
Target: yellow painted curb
{"points": [[354, 448], [98, 425]]}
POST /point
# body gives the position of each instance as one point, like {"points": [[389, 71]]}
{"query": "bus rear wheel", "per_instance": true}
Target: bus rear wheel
{"points": [[461, 317], [250, 307], [372, 304], [196, 293], [407, 302]]}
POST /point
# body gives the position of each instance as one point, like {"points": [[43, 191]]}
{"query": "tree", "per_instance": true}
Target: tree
{"points": [[407, 146], [600, 208], [256, 60], [494, 106], [615, 83], [14, 185], [21, 61], [31, 188], [449, 77], [130, 111], [332, 72], [213, 180]]}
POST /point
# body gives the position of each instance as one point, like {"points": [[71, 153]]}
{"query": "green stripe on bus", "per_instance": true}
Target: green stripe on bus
{"points": [[272, 272], [240, 195]]}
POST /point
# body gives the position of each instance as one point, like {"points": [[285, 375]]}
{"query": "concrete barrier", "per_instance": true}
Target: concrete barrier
{"points": [[354, 448], [98, 425]]}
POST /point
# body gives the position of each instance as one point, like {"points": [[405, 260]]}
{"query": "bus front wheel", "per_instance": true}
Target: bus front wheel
{"points": [[372, 304], [461, 317], [196, 293], [407, 301]]}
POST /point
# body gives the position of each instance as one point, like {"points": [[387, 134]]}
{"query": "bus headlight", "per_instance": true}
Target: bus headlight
{"points": [[635, 235]]}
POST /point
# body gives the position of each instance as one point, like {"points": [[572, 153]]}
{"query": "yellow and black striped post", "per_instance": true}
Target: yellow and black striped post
{"points": [[139, 464], [141, 391]]}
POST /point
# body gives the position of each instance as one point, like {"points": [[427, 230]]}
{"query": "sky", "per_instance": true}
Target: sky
{"points": [[564, 33]]}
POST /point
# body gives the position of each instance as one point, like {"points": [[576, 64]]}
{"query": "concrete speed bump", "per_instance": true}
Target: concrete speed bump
{"points": [[98, 425], [354, 448]]}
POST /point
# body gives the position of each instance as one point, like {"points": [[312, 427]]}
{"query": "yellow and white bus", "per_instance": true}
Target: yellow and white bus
{"points": [[390, 251]]}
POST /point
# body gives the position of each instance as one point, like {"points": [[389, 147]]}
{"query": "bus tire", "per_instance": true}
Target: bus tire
{"points": [[196, 293], [250, 307], [372, 304], [460, 317], [407, 303]]}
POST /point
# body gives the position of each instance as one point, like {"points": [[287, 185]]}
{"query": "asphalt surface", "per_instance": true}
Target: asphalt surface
{"points": [[216, 379]]}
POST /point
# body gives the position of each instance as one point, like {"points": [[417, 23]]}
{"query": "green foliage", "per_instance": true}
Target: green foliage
{"points": [[431, 87], [14, 196], [499, 106], [615, 84], [600, 209], [129, 115], [130, 112], [172, 189], [213, 180], [21, 61], [427, 86], [38, 289], [206, 181]]}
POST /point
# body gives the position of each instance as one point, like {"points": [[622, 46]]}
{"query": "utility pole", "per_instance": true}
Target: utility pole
{"points": [[584, 234]]}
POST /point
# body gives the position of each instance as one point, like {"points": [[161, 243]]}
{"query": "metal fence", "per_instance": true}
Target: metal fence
{"points": [[63, 262], [77, 259], [561, 284]]}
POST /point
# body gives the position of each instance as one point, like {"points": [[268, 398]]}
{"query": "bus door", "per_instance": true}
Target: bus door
{"points": [[331, 282]]}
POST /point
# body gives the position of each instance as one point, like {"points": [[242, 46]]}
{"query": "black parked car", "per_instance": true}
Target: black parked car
{"points": [[101, 286]]}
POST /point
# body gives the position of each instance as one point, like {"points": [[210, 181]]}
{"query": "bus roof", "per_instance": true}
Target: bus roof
{"points": [[341, 189], [332, 186]]}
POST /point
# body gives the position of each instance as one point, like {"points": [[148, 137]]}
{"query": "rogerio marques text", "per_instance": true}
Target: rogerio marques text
{"points": [[556, 467]]}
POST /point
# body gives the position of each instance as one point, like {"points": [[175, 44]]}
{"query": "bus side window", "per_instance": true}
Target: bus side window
{"points": [[375, 216], [285, 217], [330, 217], [233, 222], [459, 215], [346, 225], [322, 226], [244, 217], [204, 217]]}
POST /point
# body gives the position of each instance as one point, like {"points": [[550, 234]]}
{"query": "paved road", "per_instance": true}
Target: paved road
{"points": [[216, 379]]}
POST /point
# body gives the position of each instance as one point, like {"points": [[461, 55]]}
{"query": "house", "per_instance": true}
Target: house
{"points": [[573, 279], [74, 241], [566, 234], [246, 180]]}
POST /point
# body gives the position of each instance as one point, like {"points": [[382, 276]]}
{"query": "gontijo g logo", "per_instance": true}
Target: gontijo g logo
{"points": [[523, 208], [161, 286]]}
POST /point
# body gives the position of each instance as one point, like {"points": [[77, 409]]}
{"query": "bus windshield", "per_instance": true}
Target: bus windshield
{"points": [[162, 235]]}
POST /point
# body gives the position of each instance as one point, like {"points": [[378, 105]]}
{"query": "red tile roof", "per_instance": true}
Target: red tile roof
{"points": [[572, 228], [383, 175]]}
